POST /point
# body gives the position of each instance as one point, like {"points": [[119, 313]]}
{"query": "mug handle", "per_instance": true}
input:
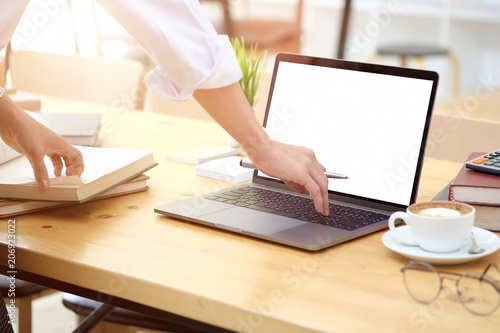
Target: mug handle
{"points": [[395, 233]]}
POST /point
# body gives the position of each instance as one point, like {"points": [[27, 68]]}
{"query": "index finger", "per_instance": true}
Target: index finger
{"points": [[40, 172], [317, 184], [318, 189]]}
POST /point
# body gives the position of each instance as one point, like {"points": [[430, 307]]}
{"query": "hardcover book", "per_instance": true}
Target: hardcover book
{"points": [[487, 217], [474, 187], [10, 208], [105, 168]]}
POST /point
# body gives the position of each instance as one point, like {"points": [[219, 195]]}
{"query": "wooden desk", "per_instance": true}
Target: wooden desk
{"points": [[119, 251]]}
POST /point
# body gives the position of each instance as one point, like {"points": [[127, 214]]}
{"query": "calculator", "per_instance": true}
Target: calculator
{"points": [[488, 163]]}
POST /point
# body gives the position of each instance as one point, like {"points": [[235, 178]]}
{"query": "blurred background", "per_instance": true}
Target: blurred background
{"points": [[467, 29]]}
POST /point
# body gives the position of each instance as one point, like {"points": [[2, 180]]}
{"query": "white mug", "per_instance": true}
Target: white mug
{"points": [[435, 226]]}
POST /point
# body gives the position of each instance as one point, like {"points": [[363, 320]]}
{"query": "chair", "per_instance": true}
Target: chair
{"points": [[274, 35], [111, 82], [5, 326], [418, 51], [25, 293], [118, 320]]}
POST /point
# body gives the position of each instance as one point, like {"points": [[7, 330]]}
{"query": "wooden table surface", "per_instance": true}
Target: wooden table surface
{"points": [[119, 247]]}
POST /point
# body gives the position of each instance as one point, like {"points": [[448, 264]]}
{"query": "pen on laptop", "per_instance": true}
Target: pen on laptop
{"points": [[246, 163]]}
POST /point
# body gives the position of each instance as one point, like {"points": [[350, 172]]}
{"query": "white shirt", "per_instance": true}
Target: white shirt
{"points": [[176, 34]]}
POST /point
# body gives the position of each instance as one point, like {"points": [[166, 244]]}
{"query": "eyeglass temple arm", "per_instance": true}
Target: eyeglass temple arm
{"points": [[491, 264], [440, 273]]}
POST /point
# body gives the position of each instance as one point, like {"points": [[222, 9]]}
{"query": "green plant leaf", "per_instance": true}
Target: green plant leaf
{"points": [[251, 64]]}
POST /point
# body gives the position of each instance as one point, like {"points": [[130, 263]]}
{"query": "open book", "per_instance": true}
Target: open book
{"points": [[105, 168], [10, 208]]}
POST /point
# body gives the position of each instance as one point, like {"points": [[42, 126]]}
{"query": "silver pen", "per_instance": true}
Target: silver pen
{"points": [[246, 163]]}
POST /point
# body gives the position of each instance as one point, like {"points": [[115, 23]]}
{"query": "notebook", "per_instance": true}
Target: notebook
{"points": [[204, 154], [367, 121], [80, 129]]}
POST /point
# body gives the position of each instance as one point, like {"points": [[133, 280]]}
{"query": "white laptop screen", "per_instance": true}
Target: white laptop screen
{"points": [[365, 125]]}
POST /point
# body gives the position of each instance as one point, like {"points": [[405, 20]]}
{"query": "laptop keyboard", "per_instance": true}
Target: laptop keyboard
{"points": [[302, 208]]}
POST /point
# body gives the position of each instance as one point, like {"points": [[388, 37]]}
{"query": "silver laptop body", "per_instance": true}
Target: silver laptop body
{"points": [[366, 121]]}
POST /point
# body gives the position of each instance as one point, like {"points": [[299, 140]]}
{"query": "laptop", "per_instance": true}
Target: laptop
{"points": [[366, 121]]}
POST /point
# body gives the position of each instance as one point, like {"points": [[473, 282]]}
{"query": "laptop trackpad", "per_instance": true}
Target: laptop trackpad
{"points": [[240, 219]]}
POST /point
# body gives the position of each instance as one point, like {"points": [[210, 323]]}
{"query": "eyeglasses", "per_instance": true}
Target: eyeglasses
{"points": [[478, 294]]}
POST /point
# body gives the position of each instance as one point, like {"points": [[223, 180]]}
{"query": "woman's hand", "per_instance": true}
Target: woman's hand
{"points": [[297, 167], [32, 139]]}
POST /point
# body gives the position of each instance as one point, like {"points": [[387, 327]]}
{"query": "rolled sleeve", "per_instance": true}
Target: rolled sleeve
{"points": [[183, 43], [10, 15]]}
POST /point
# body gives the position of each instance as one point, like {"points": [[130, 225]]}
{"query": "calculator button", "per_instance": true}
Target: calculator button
{"points": [[487, 163], [480, 160]]}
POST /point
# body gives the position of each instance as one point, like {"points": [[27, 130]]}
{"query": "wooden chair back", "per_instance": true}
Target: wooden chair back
{"points": [[275, 35], [111, 82]]}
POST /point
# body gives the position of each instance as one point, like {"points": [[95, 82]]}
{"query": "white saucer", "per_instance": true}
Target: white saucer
{"points": [[484, 238]]}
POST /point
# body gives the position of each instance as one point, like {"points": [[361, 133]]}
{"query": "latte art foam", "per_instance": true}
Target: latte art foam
{"points": [[445, 209], [439, 212]]}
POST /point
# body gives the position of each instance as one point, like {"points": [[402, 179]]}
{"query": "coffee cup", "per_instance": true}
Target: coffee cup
{"points": [[435, 226]]}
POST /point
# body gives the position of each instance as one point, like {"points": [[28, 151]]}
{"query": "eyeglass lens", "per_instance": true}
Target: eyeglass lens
{"points": [[423, 283], [478, 296]]}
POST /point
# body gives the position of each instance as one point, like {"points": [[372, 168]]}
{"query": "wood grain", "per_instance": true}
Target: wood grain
{"points": [[121, 247]]}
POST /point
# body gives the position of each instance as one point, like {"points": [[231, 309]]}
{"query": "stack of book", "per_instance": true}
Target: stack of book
{"points": [[108, 172], [478, 189]]}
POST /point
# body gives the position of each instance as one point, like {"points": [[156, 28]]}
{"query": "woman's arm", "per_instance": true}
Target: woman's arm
{"points": [[30, 138], [296, 166], [193, 60]]}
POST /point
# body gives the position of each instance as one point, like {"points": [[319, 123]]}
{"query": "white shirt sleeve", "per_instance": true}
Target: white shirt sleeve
{"points": [[181, 40], [10, 15]]}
